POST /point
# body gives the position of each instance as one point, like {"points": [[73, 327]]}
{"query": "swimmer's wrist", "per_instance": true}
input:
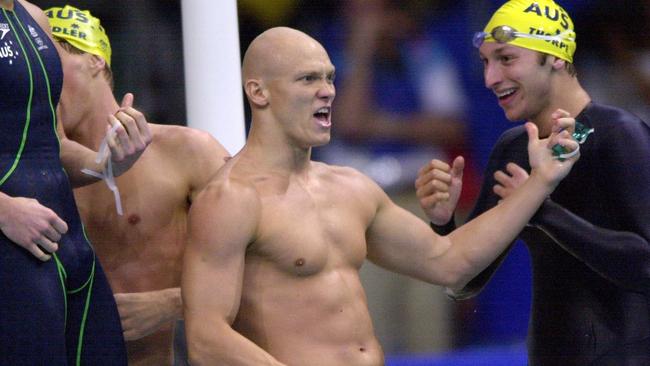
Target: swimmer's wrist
{"points": [[540, 182]]}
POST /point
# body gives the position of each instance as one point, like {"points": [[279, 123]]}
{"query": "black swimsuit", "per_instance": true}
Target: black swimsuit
{"points": [[589, 246], [59, 312]]}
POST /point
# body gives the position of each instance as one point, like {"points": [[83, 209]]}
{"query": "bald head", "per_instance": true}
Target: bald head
{"points": [[274, 50]]}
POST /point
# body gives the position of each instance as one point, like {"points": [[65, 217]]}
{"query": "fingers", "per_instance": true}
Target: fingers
{"points": [[59, 225], [432, 200], [46, 245], [516, 171], [555, 138], [502, 178], [135, 125], [133, 133], [500, 190], [571, 148], [433, 164], [457, 167], [39, 253], [427, 173], [433, 182], [533, 133], [49, 234], [140, 122], [127, 100], [559, 113], [562, 120], [112, 138], [509, 180], [52, 230]]}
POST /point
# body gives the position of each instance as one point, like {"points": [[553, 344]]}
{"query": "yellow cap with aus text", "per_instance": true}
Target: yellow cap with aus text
{"points": [[537, 17], [80, 29]]}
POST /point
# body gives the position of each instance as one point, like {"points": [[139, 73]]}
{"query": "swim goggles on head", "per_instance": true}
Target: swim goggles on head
{"points": [[505, 34]]}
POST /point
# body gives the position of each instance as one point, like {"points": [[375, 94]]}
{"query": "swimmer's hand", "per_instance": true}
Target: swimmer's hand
{"points": [[508, 181], [130, 138], [438, 188], [540, 153], [142, 313], [31, 225], [514, 175]]}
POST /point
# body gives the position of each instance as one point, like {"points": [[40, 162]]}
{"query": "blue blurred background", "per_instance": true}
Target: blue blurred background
{"points": [[409, 88]]}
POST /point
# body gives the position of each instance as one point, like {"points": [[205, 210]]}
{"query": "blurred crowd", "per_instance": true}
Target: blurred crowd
{"points": [[409, 89]]}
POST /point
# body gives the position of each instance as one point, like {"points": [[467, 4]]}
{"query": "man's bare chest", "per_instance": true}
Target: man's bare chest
{"points": [[305, 235]]}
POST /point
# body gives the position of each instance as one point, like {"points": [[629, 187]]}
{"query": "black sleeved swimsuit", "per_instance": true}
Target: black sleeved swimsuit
{"points": [[59, 312], [589, 245]]}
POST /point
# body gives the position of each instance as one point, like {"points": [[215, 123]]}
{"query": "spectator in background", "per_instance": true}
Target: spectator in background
{"points": [[616, 48], [401, 99]]}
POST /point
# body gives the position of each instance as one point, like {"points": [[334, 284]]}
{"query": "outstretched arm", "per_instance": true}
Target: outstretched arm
{"points": [[621, 254], [222, 223], [405, 245]]}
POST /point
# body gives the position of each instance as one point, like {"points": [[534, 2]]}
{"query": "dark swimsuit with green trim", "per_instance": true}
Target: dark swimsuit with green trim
{"points": [[59, 312]]}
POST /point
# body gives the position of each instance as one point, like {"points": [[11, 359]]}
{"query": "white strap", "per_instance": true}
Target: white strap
{"points": [[568, 155], [107, 172]]}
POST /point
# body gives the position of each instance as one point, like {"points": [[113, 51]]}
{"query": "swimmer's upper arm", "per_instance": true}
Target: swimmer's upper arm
{"points": [[222, 222], [401, 242]]}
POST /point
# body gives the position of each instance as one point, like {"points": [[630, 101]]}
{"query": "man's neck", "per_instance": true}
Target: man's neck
{"points": [[90, 130], [277, 156], [569, 96]]}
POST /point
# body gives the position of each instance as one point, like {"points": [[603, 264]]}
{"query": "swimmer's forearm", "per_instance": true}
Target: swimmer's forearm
{"points": [[175, 302], [74, 158], [222, 345], [480, 241]]}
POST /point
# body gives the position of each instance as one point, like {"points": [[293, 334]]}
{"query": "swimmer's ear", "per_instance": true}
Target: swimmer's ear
{"points": [[256, 92], [558, 63], [97, 64]]}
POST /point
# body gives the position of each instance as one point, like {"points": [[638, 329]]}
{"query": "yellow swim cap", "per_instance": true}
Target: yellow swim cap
{"points": [[536, 18], [80, 29]]}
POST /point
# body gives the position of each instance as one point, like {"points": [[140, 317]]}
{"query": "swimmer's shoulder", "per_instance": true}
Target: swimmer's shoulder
{"points": [[354, 181], [187, 141], [232, 182], [227, 208], [38, 14]]}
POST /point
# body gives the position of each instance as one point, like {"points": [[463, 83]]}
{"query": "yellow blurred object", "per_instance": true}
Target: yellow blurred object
{"points": [[270, 13], [80, 29], [537, 17]]}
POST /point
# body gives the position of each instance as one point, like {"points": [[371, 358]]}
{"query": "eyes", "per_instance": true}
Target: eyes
{"points": [[503, 59], [314, 77]]}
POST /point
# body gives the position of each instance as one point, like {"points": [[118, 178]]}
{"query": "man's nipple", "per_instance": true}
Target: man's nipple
{"points": [[134, 219]]}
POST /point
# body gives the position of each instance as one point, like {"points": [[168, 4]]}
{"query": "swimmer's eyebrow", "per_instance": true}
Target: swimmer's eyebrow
{"points": [[316, 75]]}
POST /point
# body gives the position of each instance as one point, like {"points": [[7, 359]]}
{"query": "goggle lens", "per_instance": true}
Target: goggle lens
{"points": [[501, 34]]}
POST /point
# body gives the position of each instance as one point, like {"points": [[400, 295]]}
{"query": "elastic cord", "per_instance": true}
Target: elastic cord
{"points": [[107, 175], [569, 155]]}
